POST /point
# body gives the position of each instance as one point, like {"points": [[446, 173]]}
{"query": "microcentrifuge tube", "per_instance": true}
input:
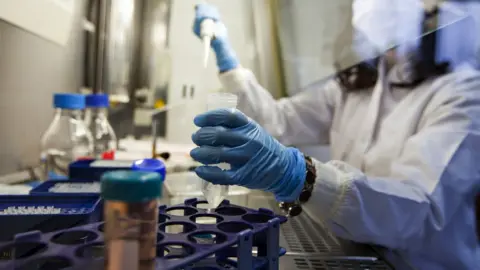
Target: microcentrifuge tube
{"points": [[215, 194]]}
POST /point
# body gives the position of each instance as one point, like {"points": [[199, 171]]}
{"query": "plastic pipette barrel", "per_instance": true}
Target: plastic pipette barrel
{"points": [[131, 217], [207, 32]]}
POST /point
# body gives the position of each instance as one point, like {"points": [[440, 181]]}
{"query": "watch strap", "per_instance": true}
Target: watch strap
{"points": [[294, 208]]}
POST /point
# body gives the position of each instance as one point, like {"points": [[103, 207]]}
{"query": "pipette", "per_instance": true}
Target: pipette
{"points": [[207, 33]]}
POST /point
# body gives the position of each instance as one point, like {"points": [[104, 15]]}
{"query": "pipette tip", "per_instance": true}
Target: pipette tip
{"points": [[206, 50]]}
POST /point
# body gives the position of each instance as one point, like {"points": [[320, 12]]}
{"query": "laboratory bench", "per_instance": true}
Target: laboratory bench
{"points": [[309, 246]]}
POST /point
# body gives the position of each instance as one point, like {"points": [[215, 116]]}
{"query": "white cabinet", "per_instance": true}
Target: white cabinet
{"points": [[49, 19]]}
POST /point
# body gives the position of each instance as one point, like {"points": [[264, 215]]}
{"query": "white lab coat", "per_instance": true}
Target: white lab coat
{"points": [[405, 163]]}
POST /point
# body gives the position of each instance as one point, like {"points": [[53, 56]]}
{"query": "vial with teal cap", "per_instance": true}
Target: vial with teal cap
{"points": [[67, 139], [131, 218]]}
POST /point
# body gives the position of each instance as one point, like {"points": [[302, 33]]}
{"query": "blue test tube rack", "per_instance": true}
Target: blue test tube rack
{"points": [[237, 231], [22, 213]]}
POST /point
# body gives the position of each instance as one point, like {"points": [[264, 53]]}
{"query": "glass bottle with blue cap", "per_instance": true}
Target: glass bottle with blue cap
{"points": [[67, 138], [96, 119]]}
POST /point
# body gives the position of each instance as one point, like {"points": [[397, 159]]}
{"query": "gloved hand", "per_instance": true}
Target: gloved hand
{"points": [[258, 161], [226, 57]]}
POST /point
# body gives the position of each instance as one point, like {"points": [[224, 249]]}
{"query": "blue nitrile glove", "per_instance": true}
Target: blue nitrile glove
{"points": [[226, 57], [258, 161]]}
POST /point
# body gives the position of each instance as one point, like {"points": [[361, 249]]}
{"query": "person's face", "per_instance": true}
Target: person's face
{"points": [[391, 57]]}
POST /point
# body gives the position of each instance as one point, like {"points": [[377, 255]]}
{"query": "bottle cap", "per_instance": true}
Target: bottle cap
{"points": [[131, 186], [97, 101], [69, 101], [150, 165]]}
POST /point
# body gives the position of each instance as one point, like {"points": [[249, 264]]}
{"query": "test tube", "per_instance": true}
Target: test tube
{"points": [[215, 194], [131, 218]]}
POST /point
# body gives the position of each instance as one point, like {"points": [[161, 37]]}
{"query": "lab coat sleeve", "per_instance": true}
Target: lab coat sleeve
{"points": [[436, 173], [302, 119]]}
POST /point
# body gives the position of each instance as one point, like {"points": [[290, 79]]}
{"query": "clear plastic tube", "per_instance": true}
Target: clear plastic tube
{"points": [[215, 194]]}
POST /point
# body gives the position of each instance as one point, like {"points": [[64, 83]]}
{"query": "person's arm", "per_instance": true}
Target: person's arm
{"points": [[436, 173], [305, 118]]}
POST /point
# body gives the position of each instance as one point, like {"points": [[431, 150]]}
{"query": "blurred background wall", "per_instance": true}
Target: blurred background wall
{"points": [[31, 70], [145, 56]]}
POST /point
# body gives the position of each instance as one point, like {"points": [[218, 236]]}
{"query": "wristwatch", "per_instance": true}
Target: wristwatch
{"points": [[295, 208]]}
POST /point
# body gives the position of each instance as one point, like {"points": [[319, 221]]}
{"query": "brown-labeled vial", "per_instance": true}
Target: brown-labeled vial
{"points": [[131, 218]]}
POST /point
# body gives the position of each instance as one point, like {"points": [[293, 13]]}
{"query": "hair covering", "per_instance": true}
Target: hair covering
{"points": [[399, 23], [387, 24]]}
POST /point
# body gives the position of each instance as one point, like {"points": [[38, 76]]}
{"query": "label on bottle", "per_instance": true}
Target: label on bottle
{"points": [[131, 235]]}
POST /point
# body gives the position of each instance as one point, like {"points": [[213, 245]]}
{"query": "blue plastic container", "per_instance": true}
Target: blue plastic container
{"points": [[86, 169], [51, 188], [94, 169], [237, 231], [46, 213]]}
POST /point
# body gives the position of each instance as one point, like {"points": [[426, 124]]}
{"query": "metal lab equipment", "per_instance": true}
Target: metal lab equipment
{"points": [[127, 58]]}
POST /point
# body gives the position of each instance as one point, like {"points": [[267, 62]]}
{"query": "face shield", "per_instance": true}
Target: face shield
{"points": [[345, 39], [458, 38], [383, 25]]}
